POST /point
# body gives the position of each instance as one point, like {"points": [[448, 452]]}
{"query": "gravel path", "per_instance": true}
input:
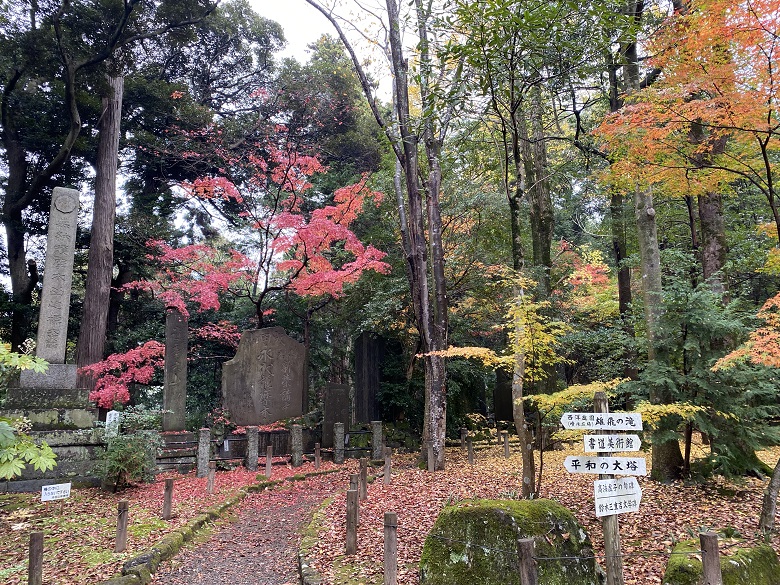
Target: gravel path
{"points": [[260, 547]]}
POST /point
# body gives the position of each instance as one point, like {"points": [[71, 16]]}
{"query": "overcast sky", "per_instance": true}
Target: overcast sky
{"points": [[302, 24]]}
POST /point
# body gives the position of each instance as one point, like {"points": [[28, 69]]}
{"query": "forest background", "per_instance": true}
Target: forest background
{"points": [[556, 195]]}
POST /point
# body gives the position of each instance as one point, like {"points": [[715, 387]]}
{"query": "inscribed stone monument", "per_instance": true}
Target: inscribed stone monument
{"points": [[369, 352], [175, 384], [264, 382], [335, 409]]}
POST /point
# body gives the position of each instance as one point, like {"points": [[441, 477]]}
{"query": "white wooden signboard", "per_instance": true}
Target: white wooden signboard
{"points": [[597, 421], [611, 443], [606, 465], [617, 496], [58, 491]]}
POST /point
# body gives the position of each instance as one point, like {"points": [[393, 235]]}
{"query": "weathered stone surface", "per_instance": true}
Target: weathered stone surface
{"points": [[469, 542], [41, 396], [264, 382], [369, 352], [58, 276], [756, 565], [338, 443], [56, 418], [56, 377], [335, 409], [175, 384]]}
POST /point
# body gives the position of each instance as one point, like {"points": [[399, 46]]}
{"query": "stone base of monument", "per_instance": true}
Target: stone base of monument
{"points": [[51, 400], [77, 452]]}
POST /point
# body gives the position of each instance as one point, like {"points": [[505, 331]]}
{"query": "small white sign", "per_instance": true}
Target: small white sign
{"points": [[611, 443], [617, 496], [58, 491], [113, 417], [226, 445], [606, 465], [597, 421]]}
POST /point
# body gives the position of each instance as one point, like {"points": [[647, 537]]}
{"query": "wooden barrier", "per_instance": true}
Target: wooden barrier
{"points": [[35, 563], [167, 500], [529, 571], [269, 455], [363, 478], [352, 519], [122, 517], [388, 464], [710, 559], [211, 476], [391, 549]]}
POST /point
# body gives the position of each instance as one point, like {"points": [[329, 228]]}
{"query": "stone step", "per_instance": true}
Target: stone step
{"points": [[169, 453], [174, 438], [33, 397]]}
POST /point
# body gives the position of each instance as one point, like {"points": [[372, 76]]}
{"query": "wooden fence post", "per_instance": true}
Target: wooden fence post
{"points": [[613, 560], [122, 516], [506, 443], [35, 563], [710, 559], [470, 443], [388, 463], [354, 485], [463, 433], [529, 571], [252, 447], [431, 458], [269, 455], [363, 478], [212, 473], [167, 500], [391, 548], [317, 456], [352, 514]]}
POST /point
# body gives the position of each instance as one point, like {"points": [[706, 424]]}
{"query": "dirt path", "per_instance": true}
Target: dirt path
{"points": [[260, 547]]}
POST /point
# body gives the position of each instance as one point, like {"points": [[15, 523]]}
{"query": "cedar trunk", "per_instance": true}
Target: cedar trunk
{"points": [[94, 319]]}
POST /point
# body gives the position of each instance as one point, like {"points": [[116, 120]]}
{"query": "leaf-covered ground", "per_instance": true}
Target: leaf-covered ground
{"points": [[668, 513], [79, 532], [79, 540]]}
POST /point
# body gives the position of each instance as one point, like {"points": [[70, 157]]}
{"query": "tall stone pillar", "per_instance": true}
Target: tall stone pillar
{"points": [[175, 385]]}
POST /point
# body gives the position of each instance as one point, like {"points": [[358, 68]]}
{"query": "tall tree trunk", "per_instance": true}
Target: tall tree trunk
{"points": [[518, 410], [667, 458], [94, 319], [619, 249], [538, 186], [713, 241]]}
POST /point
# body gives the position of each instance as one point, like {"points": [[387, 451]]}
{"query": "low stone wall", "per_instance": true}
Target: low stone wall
{"points": [[77, 452]]}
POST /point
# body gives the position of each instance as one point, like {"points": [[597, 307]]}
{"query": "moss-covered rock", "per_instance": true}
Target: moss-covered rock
{"points": [[757, 565], [475, 541]]}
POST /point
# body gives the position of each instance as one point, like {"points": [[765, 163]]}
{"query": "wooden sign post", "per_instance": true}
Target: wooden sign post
{"points": [[612, 496]]}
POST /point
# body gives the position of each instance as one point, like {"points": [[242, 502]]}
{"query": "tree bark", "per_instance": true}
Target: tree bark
{"points": [[667, 458], [518, 412], [94, 319], [713, 241], [538, 186], [769, 505]]}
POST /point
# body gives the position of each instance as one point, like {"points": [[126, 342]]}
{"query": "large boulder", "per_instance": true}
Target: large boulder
{"points": [[756, 565], [475, 541]]}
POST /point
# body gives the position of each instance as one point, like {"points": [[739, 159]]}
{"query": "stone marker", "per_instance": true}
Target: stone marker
{"points": [[204, 452], [369, 352], [377, 444], [264, 382], [113, 420], [175, 384], [338, 443], [296, 438], [252, 447], [58, 276], [335, 409]]}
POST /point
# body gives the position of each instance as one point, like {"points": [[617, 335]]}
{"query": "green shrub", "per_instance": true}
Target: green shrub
{"points": [[129, 458]]}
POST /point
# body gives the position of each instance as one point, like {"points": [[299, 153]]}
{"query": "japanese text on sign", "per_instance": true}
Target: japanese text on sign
{"points": [[611, 443], [58, 491], [616, 421], [617, 496], [606, 465]]}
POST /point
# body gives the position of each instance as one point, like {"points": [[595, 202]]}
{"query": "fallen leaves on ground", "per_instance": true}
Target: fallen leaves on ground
{"points": [[668, 512], [79, 532]]}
